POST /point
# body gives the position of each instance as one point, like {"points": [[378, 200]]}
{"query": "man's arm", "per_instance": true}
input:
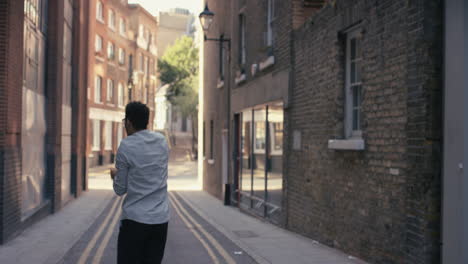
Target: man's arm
{"points": [[120, 174]]}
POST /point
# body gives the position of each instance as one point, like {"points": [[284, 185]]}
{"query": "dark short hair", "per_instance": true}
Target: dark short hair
{"points": [[138, 114]]}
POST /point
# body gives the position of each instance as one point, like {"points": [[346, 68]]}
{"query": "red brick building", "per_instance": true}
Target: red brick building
{"points": [[42, 109], [122, 67]]}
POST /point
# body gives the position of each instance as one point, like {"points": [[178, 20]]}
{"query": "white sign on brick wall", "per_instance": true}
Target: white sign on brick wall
{"points": [[297, 140]]}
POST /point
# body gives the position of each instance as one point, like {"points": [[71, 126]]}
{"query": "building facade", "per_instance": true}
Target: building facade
{"points": [[325, 117], [122, 68], [43, 114]]}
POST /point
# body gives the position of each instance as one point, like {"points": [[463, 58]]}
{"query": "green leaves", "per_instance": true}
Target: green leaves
{"points": [[179, 68]]}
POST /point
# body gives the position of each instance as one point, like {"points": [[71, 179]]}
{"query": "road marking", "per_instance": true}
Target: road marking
{"points": [[195, 233], [105, 241], [235, 239], [213, 241], [93, 241]]}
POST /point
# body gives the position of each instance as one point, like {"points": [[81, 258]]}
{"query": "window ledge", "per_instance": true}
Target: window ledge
{"points": [[211, 161], [220, 84], [346, 144], [270, 61], [240, 79]]}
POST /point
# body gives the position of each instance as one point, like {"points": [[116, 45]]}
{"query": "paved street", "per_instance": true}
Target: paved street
{"points": [[190, 240]]}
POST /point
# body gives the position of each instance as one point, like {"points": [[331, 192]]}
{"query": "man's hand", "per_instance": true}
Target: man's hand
{"points": [[113, 172]]}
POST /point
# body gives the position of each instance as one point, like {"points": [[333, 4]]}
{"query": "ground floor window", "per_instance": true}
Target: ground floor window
{"points": [[260, 150]]}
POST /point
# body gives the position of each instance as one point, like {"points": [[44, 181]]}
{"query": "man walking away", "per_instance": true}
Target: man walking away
{"points": [[141, 173]]}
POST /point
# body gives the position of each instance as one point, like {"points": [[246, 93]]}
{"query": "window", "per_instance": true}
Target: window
{"points": [[221, 61], [242, 57], [110, 90], [121, 56], [353, 89], [142, 63], [211, 139], [100, 11], [121, 95], [112, 19], [96, 135], [97, 89], [123, 27], [108, 130], [98, 43], [146, 66], [141, 30], [270, 18], [204, 140], [110, 51]]}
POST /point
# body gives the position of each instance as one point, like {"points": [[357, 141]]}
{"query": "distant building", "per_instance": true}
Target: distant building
{"points": [[173, 24], [43, 68], [122, 68]]}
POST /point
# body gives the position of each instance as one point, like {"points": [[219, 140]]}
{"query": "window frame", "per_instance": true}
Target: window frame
{"points": [[100, 11], [109, 135], [122, 26], [270, 20], [211, 139], [121, 92], [96, 146], [110, 90], [98, 89], [112, 19], [350, 131], [110, 50], [121, 56], [242, 59], [98, 43]]}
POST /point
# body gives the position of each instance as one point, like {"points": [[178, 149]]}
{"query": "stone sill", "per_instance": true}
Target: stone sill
{"points": [[241, 79], [220, 84], [346, 144], [270, 61]]}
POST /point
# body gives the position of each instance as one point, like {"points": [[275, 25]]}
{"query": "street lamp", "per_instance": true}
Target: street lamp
{"points": [[206, 19]]}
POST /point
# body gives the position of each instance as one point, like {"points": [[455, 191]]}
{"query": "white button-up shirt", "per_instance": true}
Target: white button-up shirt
{"points": [[141, 164]]}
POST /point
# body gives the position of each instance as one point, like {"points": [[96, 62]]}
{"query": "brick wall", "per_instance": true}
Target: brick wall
{"points": [[381, 204], [11, 81], [11, 48]]}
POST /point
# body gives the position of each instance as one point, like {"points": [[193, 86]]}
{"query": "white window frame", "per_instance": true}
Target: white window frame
{"points": [[98, 89], [122, 26], [98, 43], [109, 134], [110, 90], [121, 56], [350, 130], [100, 11], [96, 135], [120, 95], [110, 50], [112, 20]]}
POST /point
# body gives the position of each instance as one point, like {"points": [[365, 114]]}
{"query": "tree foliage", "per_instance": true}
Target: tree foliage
{"points": [[179, 69]]}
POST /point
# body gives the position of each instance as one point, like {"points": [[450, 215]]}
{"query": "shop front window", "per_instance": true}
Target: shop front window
{"points": [[261, 160]]}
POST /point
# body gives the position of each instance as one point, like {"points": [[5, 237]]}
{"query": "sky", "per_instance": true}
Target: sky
{"points": [[154, 6]]}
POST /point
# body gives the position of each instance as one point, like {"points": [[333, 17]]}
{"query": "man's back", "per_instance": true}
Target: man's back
{"points": [[142, 174]]}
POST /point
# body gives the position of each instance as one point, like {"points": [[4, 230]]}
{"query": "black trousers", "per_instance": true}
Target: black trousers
{"points": [[141, 243]]}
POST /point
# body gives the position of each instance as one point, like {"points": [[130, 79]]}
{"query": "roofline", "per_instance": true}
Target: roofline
{"points": [[144, 11]]}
